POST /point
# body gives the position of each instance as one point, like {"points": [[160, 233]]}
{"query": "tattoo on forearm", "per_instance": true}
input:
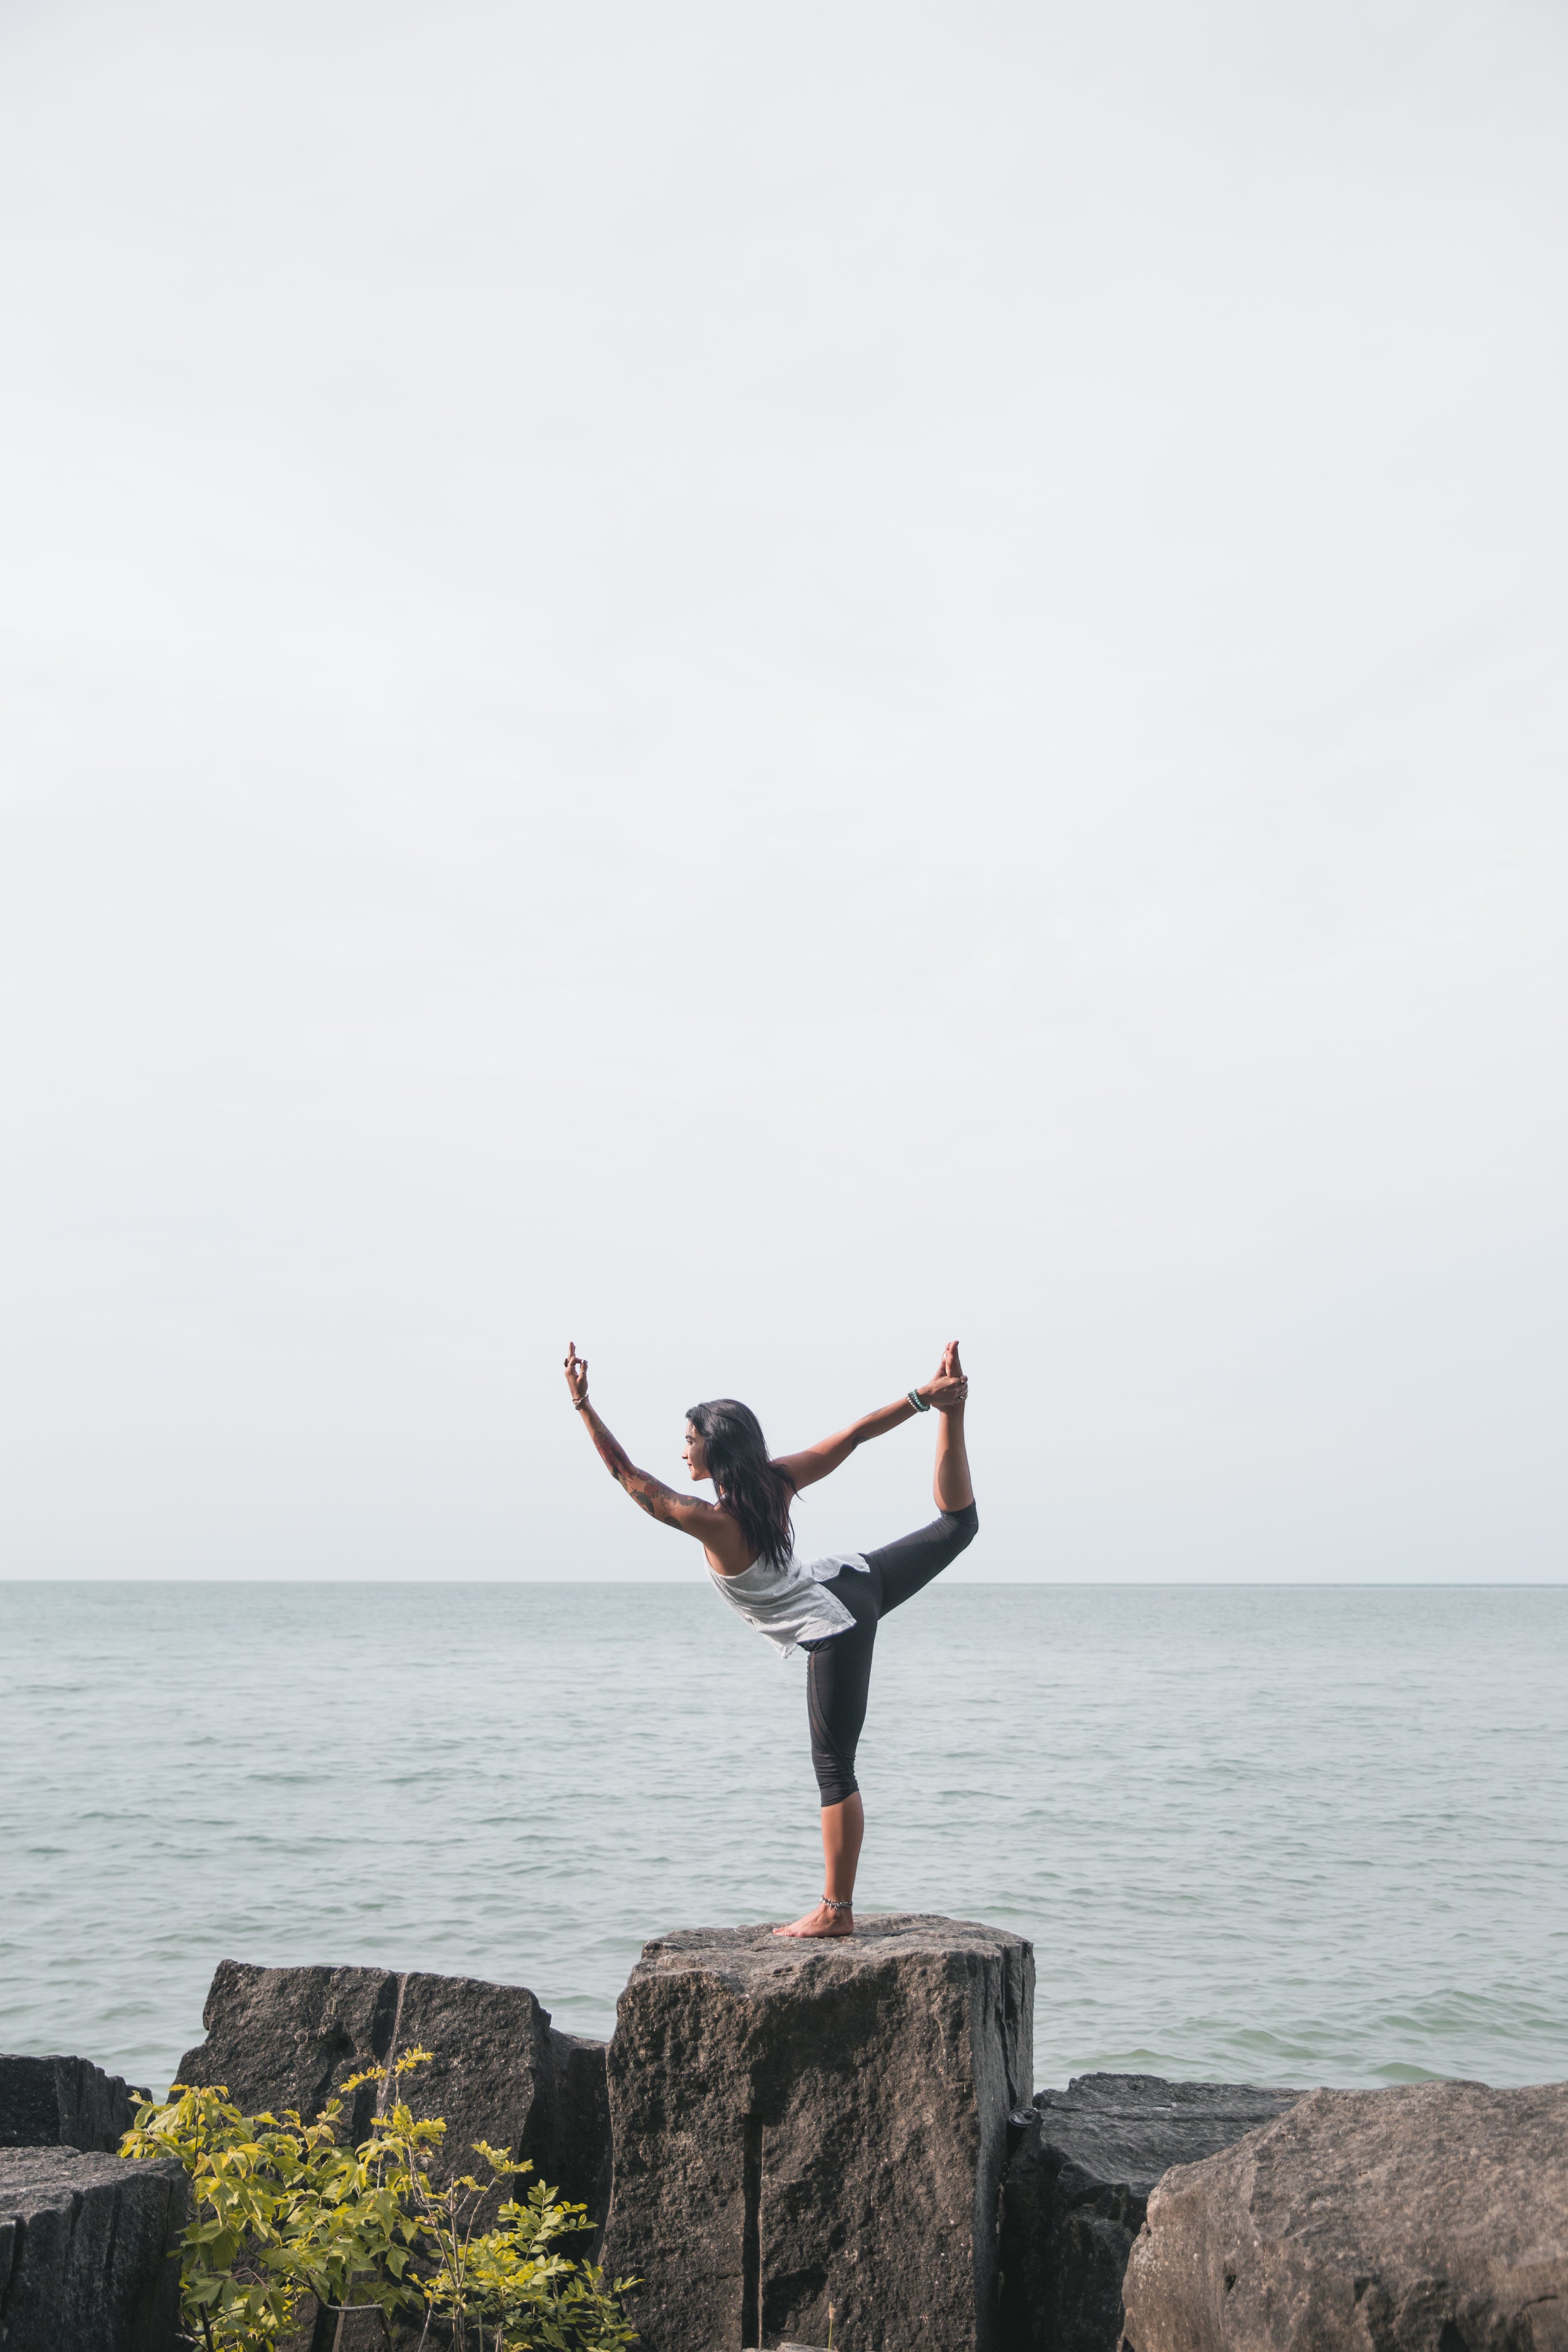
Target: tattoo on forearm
{"points": [[611, 1453], [649, 1494]]}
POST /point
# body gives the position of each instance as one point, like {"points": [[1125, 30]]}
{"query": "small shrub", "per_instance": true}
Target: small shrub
{"points": [[283, 2212]]}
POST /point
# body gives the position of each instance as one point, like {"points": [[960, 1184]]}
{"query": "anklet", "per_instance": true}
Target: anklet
{"points": [[829, 1904]]}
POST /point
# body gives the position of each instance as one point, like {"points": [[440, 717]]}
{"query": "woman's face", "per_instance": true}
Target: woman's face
{"points": [[695, 1454]]}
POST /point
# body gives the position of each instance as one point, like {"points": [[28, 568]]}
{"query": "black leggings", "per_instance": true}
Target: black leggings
{"points": [[838, 1673]]}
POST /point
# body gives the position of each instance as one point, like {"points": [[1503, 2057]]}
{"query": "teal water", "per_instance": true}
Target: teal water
{"points": [[1285, 1835]]}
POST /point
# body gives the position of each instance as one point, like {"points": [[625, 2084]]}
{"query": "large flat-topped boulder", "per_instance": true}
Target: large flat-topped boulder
{"points": [[288, 2037], [1077, 2188], [84, 2246], [797, 2124], [64, 2103], [1432, 2218]]}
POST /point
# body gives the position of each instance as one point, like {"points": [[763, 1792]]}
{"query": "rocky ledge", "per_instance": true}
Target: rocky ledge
{"points": [[84, 2246], [1432, 2218], [1077, 2189], [797, 2124], [64, 2103]]}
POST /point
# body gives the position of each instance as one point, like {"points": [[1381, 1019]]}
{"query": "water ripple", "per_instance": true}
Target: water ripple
{"points": [[1289, 1835]]}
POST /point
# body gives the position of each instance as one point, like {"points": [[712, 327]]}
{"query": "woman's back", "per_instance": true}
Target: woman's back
{"points": [[786, 1600]]}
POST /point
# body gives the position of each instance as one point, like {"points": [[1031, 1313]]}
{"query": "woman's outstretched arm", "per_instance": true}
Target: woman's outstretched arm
{"points": [[692, 1517], [945, 1391]]}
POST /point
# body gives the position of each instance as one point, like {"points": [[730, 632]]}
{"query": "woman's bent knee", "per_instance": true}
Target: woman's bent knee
{"points": [[964, 1525]]}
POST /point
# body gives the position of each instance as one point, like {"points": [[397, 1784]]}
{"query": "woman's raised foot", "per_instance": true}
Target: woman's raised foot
{"points": [[820, 1920]]}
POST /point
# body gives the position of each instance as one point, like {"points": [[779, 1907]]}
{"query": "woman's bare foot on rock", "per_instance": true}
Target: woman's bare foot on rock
{"points": [[821, 1921]]}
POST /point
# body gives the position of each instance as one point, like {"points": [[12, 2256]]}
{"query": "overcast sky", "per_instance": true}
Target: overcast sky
{"points": [[758, 686]]}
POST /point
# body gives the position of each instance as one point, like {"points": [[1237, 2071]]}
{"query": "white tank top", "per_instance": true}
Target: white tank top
{"points": [[789, 1604]]}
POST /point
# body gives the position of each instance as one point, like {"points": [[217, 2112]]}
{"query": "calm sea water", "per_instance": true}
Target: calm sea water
{"points": [[1287, 1835]]}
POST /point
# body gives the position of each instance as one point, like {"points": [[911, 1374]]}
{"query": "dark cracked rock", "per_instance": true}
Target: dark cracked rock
{"points": [[1077, 2188], [800, 2122], [1432, 2218], [64, 2103], [85, 2241], [283, 2038]]}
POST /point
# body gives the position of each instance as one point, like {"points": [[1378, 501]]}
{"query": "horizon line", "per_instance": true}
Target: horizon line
{"points": [[964, 1584]]}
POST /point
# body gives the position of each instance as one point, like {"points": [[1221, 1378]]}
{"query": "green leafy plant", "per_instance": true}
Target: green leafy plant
{"points": [[283, 2212], [503, 2290]]}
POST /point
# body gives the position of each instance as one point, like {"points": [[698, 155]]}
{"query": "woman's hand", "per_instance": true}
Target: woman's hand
{"points": [[576, 1374], [948, 1392]]}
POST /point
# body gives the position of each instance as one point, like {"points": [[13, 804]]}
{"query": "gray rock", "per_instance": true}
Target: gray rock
{"points": [[797, 2124], [579, 2162], [85, 2241], [1077, 2188], [1433, 2218], [281, 2038], [284, 2038], [64, 2103], [494, 2077]]}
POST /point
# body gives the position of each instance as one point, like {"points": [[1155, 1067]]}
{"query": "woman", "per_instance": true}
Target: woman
{"points": [[830, 1608]]}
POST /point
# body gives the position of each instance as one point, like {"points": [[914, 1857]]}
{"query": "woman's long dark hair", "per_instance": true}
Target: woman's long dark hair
{"points": [[755, 1492]]}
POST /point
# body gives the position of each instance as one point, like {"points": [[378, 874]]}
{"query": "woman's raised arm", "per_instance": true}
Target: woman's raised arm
{"points": [[693, 1518], [816, 1461]]}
